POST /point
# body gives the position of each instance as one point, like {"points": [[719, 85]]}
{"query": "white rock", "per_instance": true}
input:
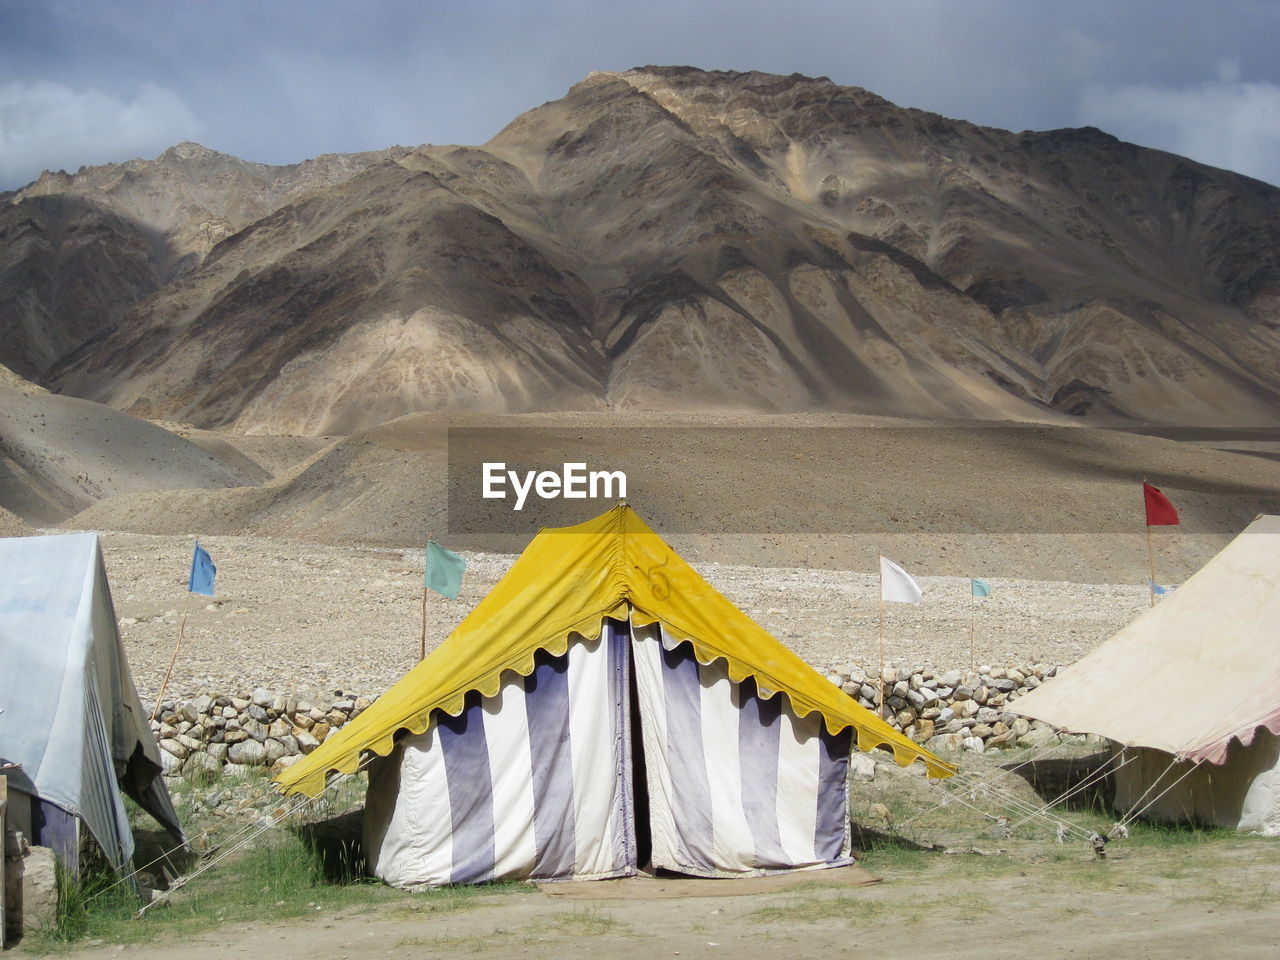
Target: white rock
{"points": [[306, 742], [862, 767], [201, 768], [248, 752], [273, 750], [284, 763]]}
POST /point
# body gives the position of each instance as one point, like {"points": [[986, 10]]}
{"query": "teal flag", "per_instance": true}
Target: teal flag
{"points": [[444, 570], [980, 587]]}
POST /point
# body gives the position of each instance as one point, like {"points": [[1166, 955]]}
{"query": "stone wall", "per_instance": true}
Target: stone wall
{"points": [[947, 711], [213, 734], [950, 710]]}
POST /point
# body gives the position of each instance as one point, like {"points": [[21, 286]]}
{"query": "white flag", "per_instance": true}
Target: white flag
{"points": [[896, 584]]}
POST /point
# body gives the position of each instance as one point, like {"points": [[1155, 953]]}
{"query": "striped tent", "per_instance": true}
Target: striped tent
{"points": [[604, 710]]}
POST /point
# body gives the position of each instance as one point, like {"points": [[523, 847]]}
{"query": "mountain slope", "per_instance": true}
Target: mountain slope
{"points": [[669, 238], [76, 251], [58, 455]]}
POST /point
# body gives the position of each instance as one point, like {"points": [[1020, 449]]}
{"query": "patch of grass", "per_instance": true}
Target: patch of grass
{"points": [[453, 899], [815, 908], [1153, 833], [279, 877], [964, 908], [1228, 895], [587, 922], [448, 946], [85, 905], [888, 855]]}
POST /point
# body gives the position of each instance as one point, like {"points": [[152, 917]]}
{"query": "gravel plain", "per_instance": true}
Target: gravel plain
{"points": [[314, 618]]}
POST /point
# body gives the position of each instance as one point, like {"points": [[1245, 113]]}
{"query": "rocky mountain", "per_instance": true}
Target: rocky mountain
{"points": [[78, 250], [663, 238]]}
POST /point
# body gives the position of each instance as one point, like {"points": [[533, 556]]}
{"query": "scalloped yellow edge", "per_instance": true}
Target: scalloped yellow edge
{"points": [[311, 780]]}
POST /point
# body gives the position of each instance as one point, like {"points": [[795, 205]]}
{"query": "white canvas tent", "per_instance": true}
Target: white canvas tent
{"points": [[1191, 692], [601, 711], [71, 716]]}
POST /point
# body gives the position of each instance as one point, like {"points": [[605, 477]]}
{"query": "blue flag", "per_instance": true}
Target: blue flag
{"points": [[980, 588], [444, 570], [202, 572], [1159, 590]]}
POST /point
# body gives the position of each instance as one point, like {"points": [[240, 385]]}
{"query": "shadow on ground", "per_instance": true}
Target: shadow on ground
{"points": [[1077, 776], [338, 843]]}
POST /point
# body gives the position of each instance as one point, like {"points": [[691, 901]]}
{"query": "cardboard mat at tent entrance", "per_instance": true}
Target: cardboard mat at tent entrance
{"points": [[569, 581]]}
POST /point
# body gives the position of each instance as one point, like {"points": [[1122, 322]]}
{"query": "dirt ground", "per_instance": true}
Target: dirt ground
{"points": [[947, 887], [1136, 905], [1018, 918]]}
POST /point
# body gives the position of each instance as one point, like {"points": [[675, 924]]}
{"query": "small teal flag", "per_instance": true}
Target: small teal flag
{"points": [[202, 572], [980, 588], [444, 570], [1159, 590]]}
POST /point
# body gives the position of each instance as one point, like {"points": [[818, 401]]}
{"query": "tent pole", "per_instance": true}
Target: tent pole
{"points": [[186, 603], [880, 565], [422, 650]]}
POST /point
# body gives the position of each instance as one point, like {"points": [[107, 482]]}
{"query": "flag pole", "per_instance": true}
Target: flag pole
{"points": [[1151, 549], [182, 626], [1151, 553], [422, 649], [973, 616], [880, 564]]}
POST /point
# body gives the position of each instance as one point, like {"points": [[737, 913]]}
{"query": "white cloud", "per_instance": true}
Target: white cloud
{"points": [[49, 126], [1226, 123]]}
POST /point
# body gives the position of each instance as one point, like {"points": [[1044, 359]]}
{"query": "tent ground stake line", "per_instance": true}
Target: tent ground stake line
{"points": [[1082, 785], [949, 798], [973, 783], [263, 825], [1124, 822], [1002, 798]]}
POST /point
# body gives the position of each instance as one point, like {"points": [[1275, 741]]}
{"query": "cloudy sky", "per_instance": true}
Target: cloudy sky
{"points": [[93, 81]]}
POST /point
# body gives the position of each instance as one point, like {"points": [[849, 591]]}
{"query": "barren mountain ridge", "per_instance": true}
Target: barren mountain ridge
{"points": [[661, 238]]}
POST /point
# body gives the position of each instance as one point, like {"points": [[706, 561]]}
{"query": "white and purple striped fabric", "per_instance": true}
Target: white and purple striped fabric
{"points": [[737, 785], [537, 781]]}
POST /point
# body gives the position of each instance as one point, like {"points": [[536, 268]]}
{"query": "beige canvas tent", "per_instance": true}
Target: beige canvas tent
{"points": [[1190, 691]]}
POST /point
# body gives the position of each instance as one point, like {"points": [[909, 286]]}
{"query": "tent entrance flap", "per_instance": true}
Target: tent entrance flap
{"points": [[639, 772], [738, 785], [533, 782]]}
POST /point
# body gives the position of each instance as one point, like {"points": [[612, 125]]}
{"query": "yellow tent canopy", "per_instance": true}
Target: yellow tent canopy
{"points": [[567, 582]]}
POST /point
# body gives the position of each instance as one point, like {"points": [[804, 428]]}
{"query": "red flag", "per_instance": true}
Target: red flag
{"points": [[1160, 511]]}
